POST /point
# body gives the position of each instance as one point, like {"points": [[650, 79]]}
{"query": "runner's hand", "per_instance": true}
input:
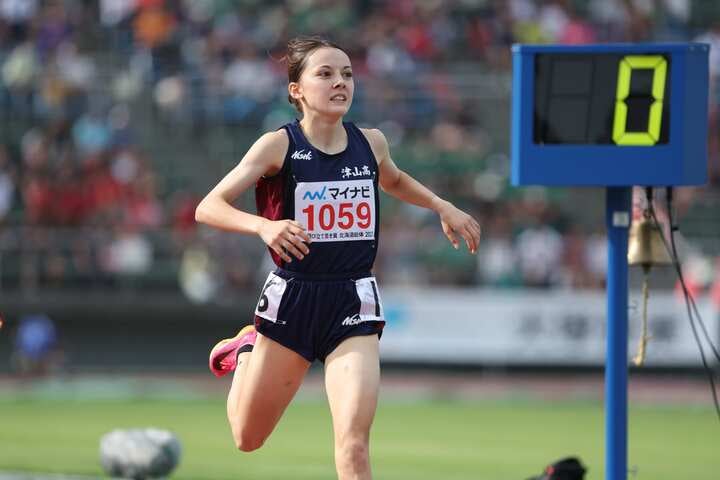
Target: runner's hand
{"points": [[285, 237], [456, 222]]}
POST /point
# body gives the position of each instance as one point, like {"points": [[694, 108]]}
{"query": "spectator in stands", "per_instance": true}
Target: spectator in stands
{"points": [[712, 37], [244, 93], [715, 287], [19, 73], [36, 348], [53, 28], [596, 258], [497, 258], [156, 27], [18, 16], [7, 184], [577, 30], [129, 252], [575, 272], [539, 246], [142, 208]]}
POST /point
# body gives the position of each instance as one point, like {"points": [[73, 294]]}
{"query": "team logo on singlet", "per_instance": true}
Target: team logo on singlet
{"points": [[301, 155], [354, 320], [348, 172]]}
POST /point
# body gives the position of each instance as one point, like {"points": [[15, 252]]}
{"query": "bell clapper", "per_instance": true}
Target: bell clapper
{"points": [[639, 358]]}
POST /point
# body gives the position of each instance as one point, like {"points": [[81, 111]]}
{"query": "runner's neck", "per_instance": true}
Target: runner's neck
{"points": [[328, 137]]}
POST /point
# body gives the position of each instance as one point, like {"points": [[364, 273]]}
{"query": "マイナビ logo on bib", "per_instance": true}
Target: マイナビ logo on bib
{"points": [[301, 155]]}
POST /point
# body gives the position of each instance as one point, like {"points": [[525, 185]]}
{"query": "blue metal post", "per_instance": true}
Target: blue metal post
{"points": [[618, 216]]}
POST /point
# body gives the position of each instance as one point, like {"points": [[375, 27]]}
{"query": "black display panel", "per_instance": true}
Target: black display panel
{"points": [[577, 99]]}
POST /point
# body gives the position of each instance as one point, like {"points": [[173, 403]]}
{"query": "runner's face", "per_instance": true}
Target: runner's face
{"points": [[326, 84]]}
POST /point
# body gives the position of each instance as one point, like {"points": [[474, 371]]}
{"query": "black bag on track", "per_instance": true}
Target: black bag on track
{"points": [[568, 468]]}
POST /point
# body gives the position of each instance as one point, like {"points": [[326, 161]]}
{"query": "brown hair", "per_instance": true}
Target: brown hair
{"points": [[298, 50]]}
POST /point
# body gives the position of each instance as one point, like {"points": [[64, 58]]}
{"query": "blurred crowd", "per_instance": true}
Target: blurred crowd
{"points": [[85, 196]]}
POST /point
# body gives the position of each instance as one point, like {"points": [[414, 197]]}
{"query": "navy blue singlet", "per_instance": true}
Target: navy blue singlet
{"points": [[335, 197]]}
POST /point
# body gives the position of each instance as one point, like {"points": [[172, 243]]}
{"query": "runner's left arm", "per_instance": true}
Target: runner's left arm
{"points": [[402, 186]]}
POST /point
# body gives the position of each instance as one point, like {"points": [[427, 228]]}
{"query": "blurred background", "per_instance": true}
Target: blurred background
{"points": [[117, 116]]}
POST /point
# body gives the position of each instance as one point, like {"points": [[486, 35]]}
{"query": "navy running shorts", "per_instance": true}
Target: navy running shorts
{"points": [[312, 314]]}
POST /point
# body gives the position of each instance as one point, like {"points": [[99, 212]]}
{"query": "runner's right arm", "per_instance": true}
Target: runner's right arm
{"points": [[265, 157]]}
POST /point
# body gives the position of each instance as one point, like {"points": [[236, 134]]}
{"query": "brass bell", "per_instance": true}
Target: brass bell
{"points": [[646, 247]]}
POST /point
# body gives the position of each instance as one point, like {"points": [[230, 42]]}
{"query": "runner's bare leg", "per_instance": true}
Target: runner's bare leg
{"points": [[264, 383]]}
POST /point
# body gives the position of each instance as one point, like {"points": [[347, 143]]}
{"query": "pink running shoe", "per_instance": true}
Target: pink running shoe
{"points": [[223, 356]]}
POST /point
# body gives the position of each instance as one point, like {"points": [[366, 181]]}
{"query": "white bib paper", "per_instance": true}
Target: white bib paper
{"points": [[336, 211]]}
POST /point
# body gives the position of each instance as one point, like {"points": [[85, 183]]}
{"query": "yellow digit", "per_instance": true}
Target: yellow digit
{"points": [[629, 63]]}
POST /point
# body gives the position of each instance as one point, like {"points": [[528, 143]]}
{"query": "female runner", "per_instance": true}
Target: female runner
{"points": [[316, 184]]}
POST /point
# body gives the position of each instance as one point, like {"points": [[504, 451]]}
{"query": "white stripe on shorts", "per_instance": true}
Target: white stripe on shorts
{"points": [[370, 303], [269, 302]]}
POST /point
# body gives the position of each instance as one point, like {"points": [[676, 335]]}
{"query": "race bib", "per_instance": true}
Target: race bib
{"points": [[336, 211]]}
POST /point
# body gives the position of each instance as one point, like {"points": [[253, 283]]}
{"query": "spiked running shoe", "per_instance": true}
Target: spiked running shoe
{"points": [[223, 356]]}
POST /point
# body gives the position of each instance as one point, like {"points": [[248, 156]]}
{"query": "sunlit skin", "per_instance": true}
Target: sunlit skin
{"points": [[327, 76]]}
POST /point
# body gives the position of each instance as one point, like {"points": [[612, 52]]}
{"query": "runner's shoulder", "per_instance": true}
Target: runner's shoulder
{"points": [[271, 148], [378, 142], [274, 142]]}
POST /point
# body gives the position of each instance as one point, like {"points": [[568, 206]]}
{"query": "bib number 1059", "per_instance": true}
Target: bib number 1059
{"points": [[336, 211], [346, 216]]}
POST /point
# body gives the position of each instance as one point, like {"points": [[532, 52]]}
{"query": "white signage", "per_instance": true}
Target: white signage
{"points": [[532, 328]]}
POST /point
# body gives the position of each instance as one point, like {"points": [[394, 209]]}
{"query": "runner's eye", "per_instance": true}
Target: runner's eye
{"points": [[347, 74]]}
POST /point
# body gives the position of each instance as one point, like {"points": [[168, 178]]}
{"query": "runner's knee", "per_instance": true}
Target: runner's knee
{"points": [[248, 441]]}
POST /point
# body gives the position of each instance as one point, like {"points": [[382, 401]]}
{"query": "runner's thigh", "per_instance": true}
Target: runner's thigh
{"points": [[352, 380], [273, 376]]}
